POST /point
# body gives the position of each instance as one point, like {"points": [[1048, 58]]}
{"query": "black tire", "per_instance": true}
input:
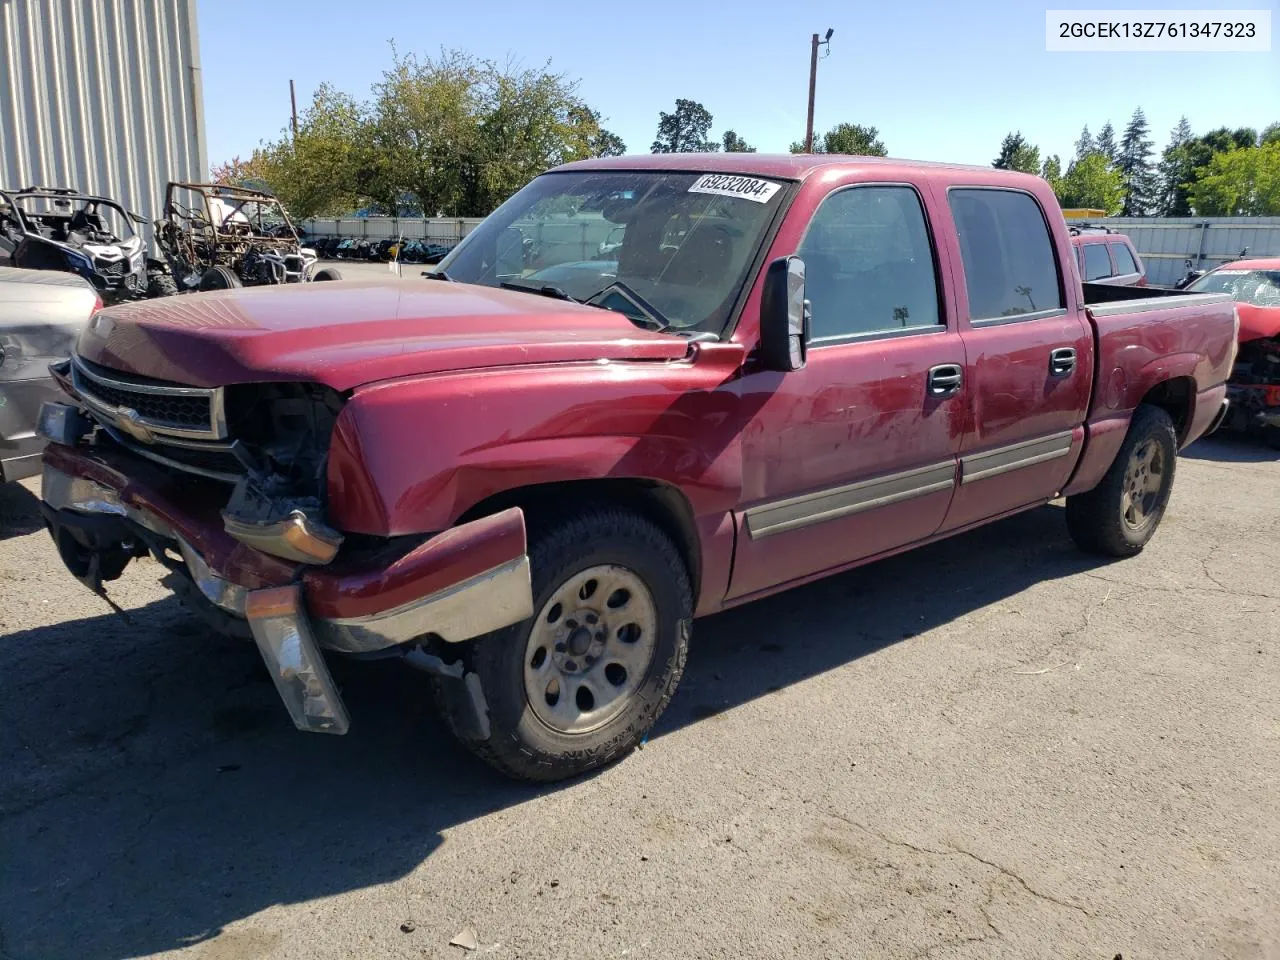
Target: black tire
{"points": [[520, 744], [161, 284], [326, 273], [1102, 520], [219, 278], [1271, 437]]}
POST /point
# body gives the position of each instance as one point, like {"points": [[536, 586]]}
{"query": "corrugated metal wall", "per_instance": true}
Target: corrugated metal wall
{"points": [[440, 229], [101, 95], [1208, 241]]}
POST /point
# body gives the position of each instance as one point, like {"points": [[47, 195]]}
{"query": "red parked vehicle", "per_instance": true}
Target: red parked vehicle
{"points": [[530, 487], [1105, 256], [1254, 387]]}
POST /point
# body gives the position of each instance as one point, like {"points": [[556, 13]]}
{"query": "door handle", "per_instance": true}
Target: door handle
{"points": [[1062, 361], [945, 379]]}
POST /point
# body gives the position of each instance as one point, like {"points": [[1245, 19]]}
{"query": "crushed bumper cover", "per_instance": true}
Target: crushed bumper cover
{"points": [[465, 582]]}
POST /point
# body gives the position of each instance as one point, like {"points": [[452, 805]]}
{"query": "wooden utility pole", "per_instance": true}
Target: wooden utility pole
{"points": [[293, 99], [813, 83]]}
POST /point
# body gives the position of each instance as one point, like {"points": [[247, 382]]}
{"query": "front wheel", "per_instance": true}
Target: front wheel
{"points": [[1120, 515], [579, 684], [326, 273]]}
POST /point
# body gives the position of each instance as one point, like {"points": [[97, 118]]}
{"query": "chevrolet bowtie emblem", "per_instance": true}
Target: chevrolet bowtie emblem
{"points": [[129, 421]]}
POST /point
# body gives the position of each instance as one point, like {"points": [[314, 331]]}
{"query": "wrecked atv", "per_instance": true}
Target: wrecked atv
{"points": [[47, 228], [215, 237]]}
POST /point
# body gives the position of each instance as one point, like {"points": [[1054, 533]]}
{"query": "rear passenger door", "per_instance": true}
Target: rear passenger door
{"points": [[1030, 359], [855, 454]]}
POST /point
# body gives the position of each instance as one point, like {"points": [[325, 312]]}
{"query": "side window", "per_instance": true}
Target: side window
{"points": [[1009, 266], [1096, 262], [1124, 259], [868, 263]]}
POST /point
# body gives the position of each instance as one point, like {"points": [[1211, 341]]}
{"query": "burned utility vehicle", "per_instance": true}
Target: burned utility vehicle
{"points": [[56, 228], [216, 237]]}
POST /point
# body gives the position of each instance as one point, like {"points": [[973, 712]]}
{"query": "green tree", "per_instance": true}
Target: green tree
{"points": [[330, 164], [685, 130], [1093, 184], [464, 134], [1051, 171], [1017, 154], [1175, 170], [1240, 183], [600, 142], [1134, 164], [241, 173], [735, 144], [1105, 144], [1270, 134], [848, 138]]}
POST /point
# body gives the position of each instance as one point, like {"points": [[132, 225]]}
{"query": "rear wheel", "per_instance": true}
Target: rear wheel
{"points": [[219, 278], [327, 273], [1120, 515], [579, 684]]}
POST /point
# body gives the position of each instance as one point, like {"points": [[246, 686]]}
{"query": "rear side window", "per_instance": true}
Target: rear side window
{"points": [[1124, 259], [1009, 266], [869, 264], [1096, 263]]}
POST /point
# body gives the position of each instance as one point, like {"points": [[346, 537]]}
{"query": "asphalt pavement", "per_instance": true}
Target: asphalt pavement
{"points": [[992, 747]]}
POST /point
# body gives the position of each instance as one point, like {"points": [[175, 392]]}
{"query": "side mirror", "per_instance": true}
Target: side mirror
{"points": [[139, 219], [784, 316]]}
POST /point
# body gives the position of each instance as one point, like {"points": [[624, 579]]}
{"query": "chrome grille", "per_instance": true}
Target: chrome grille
{"points": [[195, 413]]}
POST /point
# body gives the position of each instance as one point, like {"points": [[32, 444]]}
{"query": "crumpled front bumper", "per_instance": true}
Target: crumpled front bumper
{"points": [[462, 583]]}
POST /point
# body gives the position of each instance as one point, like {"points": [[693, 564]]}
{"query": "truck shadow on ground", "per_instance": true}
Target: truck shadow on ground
{"points": [[1226, 447], [19, 511], [155, 791]]}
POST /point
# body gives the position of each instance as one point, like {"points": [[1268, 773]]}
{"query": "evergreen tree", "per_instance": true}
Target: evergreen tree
{"points": [[1017, 154], [1134, 164], [1085, 145], [1106, 142], [1175, 171]]}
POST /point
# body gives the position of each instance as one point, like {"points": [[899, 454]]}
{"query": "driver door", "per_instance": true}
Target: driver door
{"points": [[855, 454]]}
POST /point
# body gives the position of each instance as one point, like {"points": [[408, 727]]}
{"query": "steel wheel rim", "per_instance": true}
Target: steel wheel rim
{"points": [[1143, 480], [590, 649]]}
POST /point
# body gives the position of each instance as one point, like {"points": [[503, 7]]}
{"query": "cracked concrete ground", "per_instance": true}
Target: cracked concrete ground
{"points": [[994, 747]]}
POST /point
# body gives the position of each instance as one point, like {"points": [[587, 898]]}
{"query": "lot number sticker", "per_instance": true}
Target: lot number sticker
{"points": [[728, 185]]}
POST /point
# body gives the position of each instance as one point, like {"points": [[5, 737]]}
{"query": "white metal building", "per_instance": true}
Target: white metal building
{"points": [[102, 96]]}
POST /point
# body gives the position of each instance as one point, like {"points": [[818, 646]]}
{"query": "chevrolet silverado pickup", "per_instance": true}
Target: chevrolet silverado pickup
{"points": [[642, 391]]}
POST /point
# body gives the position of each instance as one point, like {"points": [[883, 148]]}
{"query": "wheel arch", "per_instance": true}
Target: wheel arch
{"points": [[1176, 396], [662, 503]]}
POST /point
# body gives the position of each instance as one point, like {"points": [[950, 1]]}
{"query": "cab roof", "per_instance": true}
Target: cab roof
{"points": [[786, 166]]}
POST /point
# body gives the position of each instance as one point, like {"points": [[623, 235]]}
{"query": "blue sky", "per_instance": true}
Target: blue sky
{"points": [[942, 80]]}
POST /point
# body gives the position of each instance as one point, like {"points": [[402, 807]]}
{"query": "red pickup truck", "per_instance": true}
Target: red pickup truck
{"points": [[529, 473]]}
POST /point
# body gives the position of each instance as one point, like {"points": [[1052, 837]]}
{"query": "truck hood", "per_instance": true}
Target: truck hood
{"points": [[347, 333], [1257, 322]]}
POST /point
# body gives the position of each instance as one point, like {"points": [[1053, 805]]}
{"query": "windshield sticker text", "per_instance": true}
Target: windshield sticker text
{"points": [[728, 185]]}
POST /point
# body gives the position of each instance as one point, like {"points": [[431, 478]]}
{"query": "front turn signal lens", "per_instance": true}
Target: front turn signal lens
{"points": [[288, 647]]}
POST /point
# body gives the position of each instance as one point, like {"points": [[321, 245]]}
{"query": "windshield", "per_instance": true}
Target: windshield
{"points": [[679, 242], [1259, 287]]}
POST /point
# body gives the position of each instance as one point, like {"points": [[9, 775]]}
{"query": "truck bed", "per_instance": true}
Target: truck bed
{"points": [[1102, 295]]}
